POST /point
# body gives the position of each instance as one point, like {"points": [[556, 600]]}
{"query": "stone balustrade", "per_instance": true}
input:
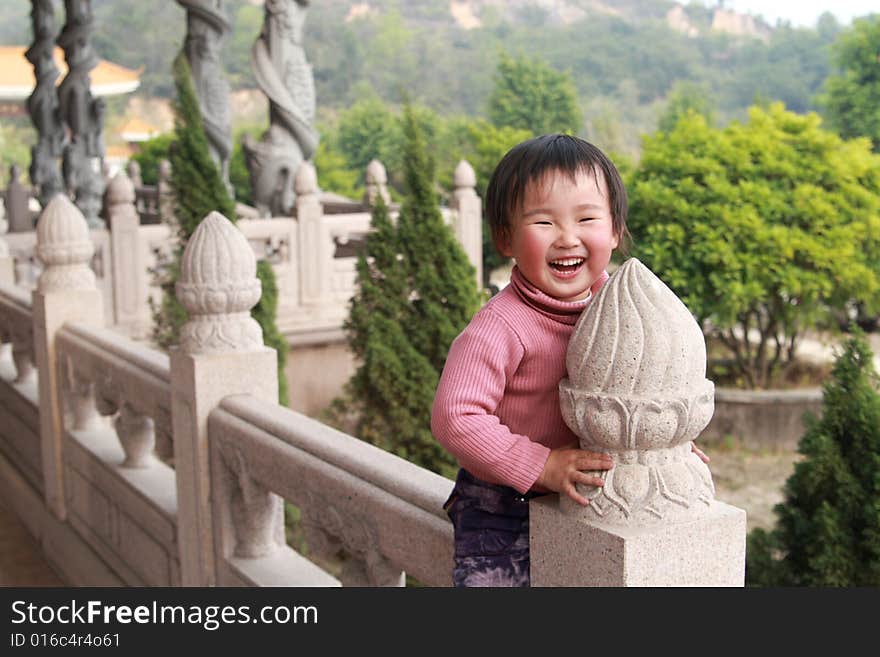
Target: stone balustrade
{"points": [[135, 468], [313, 253]]}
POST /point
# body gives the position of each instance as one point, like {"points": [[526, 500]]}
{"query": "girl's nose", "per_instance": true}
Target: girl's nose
{"points": [[567, 237]]}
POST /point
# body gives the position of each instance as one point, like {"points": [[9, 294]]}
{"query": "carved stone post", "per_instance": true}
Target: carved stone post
{"points": [[280, 68], [467, 221], [42, 104], [83, 114], [221, 353], [314, 247], [166, 192], [376, 179], [206, 28], [129, 273], [16, 201], [637, 389], [133, 171], [7, 264], [66, 291]]}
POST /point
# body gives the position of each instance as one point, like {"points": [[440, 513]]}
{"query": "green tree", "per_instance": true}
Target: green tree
{"points": [[686, 97], [150, 154], [852, 98], [368, 130], [766, 226], [828, 527], [531, 95], [415, 293], [199, 190]]}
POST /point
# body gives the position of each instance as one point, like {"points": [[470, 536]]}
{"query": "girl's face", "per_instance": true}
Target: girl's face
{"points": [[561, 237]]}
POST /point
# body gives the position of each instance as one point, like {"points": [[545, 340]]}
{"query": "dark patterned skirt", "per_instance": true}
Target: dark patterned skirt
{"points": [[491, 533]]}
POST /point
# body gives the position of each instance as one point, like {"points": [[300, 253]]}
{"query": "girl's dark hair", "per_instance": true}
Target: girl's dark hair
{"points": [[529, 161]]}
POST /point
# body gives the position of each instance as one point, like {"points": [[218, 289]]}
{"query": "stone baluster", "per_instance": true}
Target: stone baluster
{"points": [[254, 511], [81, 393], [129, 273], [467, 219], [7, 262], [133, 171], [66, 291], [376, 179], [18, 213], [23, 355], [165, 193], [137, 437], [221, 353], [313, 242], [637, 389]]}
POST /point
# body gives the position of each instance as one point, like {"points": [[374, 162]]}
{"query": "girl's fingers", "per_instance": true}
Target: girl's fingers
{"points": [[571, 491], [589, 480]]}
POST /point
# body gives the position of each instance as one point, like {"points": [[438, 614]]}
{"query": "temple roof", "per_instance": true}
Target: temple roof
{"points": [[136, 129], [17, 75]]}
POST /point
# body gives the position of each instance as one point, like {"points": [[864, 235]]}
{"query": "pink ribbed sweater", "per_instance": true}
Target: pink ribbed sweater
{"points": [[497, 404]]}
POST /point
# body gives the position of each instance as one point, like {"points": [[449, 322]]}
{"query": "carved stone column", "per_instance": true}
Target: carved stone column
{"points": [[83, 114], [467, 221], [7, 264], [129, 273], [637, 389], [312, 241], [376, 184], [16, 202], [66, 291], [206, 27], [42, 104], [280, 67], [221, 353]]}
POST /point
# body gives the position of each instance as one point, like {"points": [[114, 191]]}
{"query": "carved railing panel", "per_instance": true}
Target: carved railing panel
{"points": [[385, 512], [122, 498], [109, 375], [17, 331]]}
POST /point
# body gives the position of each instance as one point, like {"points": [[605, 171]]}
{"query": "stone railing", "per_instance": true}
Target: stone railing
{"points": [[135, 468], [314, 254]]}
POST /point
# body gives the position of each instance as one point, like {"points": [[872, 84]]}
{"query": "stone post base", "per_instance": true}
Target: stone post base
{"points": [[706, 551]]}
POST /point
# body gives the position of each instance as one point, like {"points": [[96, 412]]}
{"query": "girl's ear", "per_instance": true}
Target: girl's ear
{"points": [[502, 244]]}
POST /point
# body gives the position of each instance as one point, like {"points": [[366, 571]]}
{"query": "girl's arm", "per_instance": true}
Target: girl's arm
{"points": [[463, 418]]}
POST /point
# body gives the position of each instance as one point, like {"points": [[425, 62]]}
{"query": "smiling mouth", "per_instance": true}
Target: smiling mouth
{"points": [[566, 265]]}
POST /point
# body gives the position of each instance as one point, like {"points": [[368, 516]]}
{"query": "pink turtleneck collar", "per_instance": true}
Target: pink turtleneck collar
{"points": [[566, 312]]}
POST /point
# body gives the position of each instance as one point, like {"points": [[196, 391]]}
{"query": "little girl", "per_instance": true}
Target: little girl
{"points": [[557, 205]]}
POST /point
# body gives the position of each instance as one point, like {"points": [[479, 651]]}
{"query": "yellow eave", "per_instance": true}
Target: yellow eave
{"points": [[17, 75]]}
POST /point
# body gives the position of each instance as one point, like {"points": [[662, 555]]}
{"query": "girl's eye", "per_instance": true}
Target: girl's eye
{"points": [[585, 219]]}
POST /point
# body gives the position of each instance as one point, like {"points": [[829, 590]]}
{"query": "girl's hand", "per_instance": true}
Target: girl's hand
{"points": [[564, 467]]}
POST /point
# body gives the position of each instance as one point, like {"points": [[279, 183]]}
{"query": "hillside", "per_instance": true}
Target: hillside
{"points": [[625, 56]]}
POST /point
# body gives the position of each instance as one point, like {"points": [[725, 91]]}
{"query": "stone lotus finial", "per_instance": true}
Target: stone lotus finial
{"points": [[464, 175], [376, 183], [218, 286], [120, 190], [637, 389], [65, 248], [306, 181]]}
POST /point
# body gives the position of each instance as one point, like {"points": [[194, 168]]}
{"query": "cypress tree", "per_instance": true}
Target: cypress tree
{"points": [[199, 190], [443, 292], [828, 527], [416, 290]]}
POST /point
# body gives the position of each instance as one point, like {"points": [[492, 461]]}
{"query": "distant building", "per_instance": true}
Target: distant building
{"points": [[17, 79]]}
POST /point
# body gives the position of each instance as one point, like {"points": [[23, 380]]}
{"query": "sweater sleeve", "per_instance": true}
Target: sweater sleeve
{"points": [[463, 419]]}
